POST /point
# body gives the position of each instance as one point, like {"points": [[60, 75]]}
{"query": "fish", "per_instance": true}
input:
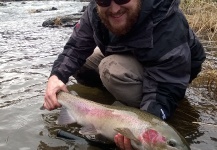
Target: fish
{"points": [[145, 131]]}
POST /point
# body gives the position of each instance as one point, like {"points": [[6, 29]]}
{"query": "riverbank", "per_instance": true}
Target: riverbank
{"points": [[201, 15]]}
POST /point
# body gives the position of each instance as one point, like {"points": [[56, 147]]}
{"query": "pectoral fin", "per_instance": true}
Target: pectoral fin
{"points": [[127, 133], [88, 130], [65, 117]]}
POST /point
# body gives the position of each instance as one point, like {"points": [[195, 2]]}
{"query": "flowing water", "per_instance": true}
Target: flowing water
{"points": [[27, 51]]}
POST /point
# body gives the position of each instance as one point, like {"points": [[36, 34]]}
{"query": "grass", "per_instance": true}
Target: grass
{"points": [[207, 79], [202, 18]]}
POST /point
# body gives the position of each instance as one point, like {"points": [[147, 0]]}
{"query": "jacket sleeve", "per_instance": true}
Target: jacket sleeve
{"points": [[165, 82], [80, 45], [197, 55]]}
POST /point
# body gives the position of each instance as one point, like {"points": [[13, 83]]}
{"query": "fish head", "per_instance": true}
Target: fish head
{"points": [[152, 139]]}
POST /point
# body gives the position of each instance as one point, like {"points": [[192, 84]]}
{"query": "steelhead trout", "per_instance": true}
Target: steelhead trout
{"points": [[145, 131]]}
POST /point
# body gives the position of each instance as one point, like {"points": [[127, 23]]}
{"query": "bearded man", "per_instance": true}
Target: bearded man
{"points": [[144, 52]]}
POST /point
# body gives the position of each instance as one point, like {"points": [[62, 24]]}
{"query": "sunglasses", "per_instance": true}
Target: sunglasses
{"points": [[106, 3]]}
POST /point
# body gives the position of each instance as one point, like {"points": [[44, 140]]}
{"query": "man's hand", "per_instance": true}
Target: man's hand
{"points": [[54, 85], [122, 142]]}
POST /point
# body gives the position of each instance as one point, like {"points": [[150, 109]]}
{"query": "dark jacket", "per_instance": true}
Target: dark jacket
{"points": [[161, 40]]}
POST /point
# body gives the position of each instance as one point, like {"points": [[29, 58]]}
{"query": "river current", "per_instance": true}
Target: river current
{"points": [[27, 51]]}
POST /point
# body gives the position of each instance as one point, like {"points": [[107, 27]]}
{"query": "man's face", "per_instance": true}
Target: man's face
{"points": [[119, 19]]}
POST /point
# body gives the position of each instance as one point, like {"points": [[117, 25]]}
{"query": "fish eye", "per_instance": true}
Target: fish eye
{"points": [[172, 143]]}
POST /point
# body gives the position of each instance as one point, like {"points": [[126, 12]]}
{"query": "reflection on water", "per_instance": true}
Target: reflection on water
{"points": [[27, 51]]}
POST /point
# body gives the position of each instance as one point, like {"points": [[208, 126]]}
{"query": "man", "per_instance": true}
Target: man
{"points": [[146, 55]]}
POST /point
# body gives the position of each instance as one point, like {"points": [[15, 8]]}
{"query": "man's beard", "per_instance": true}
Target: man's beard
{"points": [[132, 17]]}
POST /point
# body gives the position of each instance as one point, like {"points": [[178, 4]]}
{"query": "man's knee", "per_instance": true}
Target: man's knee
{"points": [[123, 68], [122, 76], [93, 61], [88, 74]]}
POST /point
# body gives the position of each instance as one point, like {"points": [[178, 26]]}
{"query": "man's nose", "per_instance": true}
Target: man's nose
{"points": [[114, 7]]}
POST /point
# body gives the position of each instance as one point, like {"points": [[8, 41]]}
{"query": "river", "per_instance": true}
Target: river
{"points": [[27, 51]]}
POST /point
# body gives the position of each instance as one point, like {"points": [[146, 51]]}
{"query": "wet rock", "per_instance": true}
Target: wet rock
{"points": [[40, 10], [3, 4], [83, 9], [53, 8], [64, 21]]}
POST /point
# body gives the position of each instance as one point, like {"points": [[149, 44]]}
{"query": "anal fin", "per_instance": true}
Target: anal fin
{"points": [[88, 130]]}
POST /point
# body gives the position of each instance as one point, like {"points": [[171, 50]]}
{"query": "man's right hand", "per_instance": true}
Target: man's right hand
{"points": [[54, 85]]}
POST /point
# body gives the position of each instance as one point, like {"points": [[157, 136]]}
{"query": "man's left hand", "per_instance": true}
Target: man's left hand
{"points": [[122, 142]]}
